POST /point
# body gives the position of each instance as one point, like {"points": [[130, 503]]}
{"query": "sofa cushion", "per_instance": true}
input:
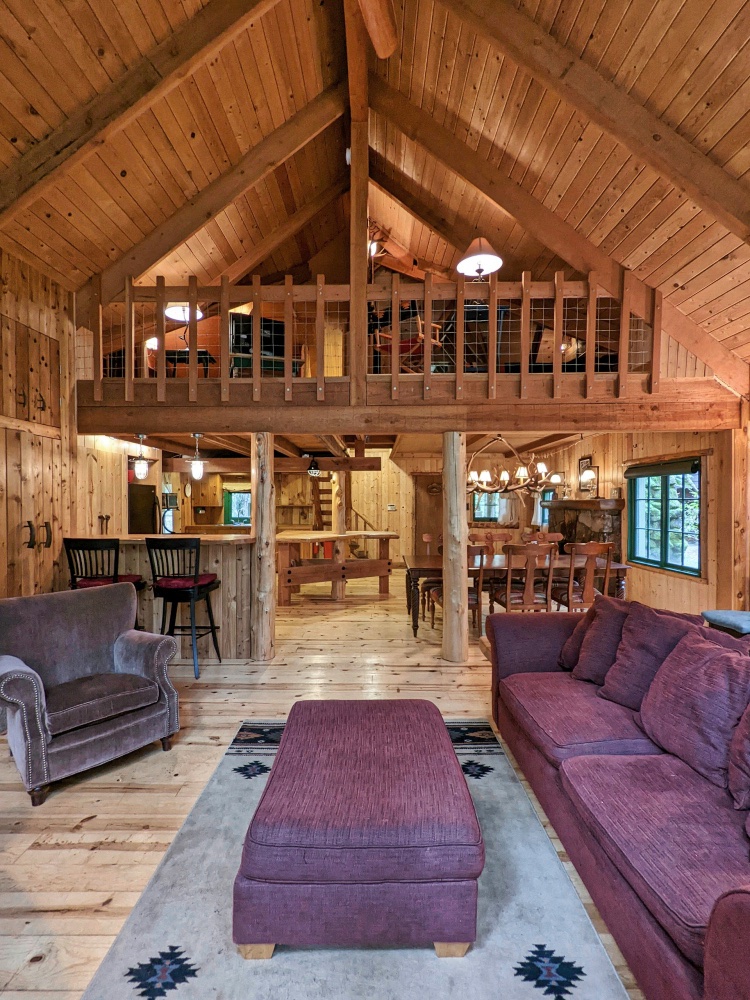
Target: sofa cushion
{"points": [[695, 703], [600, 642], [95, 698], [572, 648], [563, 717], [673, 836], [648, 637], [739, 763]]}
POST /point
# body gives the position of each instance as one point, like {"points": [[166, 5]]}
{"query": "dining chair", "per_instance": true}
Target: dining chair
{"points": [[473, 552], [541, 536], [528, 587], [579, 592], [427, 585], [493, 541]]}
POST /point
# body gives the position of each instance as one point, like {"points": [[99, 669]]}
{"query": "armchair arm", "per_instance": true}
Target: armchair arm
{"points": [[526, 643], [726, 969], [148, 654], [22, 692]]}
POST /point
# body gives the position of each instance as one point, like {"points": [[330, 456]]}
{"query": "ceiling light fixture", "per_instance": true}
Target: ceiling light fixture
{"points": [[180, 312], [313, 468], [479, 260], [140, 465], [529, 476], [196, 463], [152, 343]]}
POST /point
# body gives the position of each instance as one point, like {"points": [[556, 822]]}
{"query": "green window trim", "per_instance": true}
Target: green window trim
{"points": [[665, 516]]}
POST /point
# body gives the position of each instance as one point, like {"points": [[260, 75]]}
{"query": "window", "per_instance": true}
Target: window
{"points": [[494, 507], [544, 516], [236, 507], [664, 515]]}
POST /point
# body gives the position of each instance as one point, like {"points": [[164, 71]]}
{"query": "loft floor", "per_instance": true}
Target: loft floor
{"points": [[72, 869]]}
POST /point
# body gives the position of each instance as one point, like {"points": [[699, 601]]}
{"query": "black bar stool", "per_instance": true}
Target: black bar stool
{"points": [[175, 565], [95, 562]]}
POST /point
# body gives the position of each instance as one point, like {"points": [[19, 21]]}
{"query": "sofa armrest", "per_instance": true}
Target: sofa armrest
{"points": [[148, 654], [22, 693], [526, 643], [726, 969]]}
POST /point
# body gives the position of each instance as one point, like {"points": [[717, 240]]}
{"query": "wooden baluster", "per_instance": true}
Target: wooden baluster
{"points": [[257, 320], [492, 345], [129, 339], [224, 326], [460, 335], [653, 384], [192, 338], [95, 323], [427, 331], [320, 336], [395, 334], [161, 347], [557, 329], [288, 336], [525, 331], [591, 335], [624, 348]]}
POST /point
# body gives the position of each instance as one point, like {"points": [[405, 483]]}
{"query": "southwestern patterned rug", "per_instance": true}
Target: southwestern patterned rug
{"points": [[535, 939]]}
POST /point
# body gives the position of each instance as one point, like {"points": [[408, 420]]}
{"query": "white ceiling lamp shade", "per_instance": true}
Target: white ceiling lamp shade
{"points": [[152, 343], [479, 260], [180, 312]]}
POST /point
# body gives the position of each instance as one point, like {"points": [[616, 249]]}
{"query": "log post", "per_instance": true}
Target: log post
{"points": [[455, 538], [263, 610], [338, 525]]}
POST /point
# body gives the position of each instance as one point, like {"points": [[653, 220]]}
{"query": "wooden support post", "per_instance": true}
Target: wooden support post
{"points": [[395, 334], [358, 263], [427, 343], [263, 608], [224, 338], [338, 525], [161, 347], [624, 346], [320, 337], [492, 345], [288, 336], [129, 339], [257, 320], [558, 335], [591, 335], [192, 338], [525, 331], [460, 335], [95, 324], [656, 342], [455, 538]]}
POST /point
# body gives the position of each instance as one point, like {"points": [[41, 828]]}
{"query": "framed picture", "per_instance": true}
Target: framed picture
{"points": [[615, 493], [585, 462]]}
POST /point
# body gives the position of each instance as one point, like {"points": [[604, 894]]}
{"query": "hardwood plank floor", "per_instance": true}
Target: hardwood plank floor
{"points": [[72, 869]]}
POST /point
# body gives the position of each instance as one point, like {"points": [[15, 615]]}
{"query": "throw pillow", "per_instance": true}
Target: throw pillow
{"points": [[572, 649], [739, 764], [648, 637], [601, 639], [695, 703]]}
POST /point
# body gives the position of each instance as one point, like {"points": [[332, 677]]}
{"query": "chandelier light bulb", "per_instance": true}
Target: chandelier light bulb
{"points": [[522, 473], [505, 476], [474, 476], [485, 476]]}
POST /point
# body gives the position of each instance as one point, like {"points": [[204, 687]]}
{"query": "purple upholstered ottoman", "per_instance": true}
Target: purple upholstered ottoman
{"points": [[366, 834]]}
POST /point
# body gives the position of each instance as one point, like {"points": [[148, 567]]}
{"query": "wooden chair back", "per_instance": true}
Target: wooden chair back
{"points": [[92, 559], [541, 536], [582, 579], [493, 540], [473, 553], [538, 564], [174, 557]]}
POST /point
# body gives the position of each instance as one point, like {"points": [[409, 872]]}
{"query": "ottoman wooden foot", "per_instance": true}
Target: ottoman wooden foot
{"points": [[451, 949], [257, 951]]}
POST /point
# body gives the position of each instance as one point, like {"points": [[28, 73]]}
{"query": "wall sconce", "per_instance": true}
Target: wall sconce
{"points": [[589, 481]]}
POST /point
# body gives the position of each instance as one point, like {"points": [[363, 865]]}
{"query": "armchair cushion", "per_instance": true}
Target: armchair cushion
{"points": [[86, 700]]}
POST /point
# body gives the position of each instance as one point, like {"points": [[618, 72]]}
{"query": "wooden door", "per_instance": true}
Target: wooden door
{"points": [[428, 509]]}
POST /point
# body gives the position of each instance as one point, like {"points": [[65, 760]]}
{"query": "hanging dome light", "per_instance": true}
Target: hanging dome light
{"points": [[180, 312], [197, 463], [140, 465], [480, 259], [313, 468]]}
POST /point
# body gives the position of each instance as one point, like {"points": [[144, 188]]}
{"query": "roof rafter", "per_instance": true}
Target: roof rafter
{"points": [[152, 77], [612, 109], [554, 232]]}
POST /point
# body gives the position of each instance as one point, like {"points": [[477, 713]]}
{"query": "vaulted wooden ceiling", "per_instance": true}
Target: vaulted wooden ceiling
{"points": [[119, 121]]}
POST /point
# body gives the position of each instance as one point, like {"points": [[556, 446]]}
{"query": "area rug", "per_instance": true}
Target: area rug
{"points": [[534, 937]]}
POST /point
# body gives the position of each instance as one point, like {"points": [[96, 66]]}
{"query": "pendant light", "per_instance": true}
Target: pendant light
{"points": [[313, 468], [479, 260], [140, 466], [197, 463], [180, 312]]}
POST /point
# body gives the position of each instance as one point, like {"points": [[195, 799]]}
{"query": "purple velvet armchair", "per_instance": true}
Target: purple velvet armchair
{"points": [[79, 685]]}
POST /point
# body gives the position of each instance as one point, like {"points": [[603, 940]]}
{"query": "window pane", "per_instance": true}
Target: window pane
{"points": [[671, 501]]}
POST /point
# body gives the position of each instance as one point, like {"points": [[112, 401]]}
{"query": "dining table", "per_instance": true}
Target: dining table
{"points": [[420, 567]]}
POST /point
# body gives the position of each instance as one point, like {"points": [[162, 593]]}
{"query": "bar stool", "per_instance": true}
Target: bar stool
{"points": [[95, 562], [175, 566]]}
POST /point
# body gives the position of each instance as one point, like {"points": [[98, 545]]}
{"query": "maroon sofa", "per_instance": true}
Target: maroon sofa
{"points": [[662, 850]]}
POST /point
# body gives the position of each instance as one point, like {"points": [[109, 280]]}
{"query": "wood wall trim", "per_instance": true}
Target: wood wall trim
{"points": [[31, 427]]}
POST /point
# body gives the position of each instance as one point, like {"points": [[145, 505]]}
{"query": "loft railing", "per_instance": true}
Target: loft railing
{"points": [[456, 340]]}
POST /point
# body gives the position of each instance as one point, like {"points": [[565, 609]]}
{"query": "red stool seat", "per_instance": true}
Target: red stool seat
{"points": [[185, 582], [87, 582]]}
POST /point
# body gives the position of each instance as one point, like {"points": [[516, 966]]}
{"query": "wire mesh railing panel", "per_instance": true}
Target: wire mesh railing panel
{"points": [[476, 334], [607, 334], [509, 336], [304, 363], [575, 314], [542, 335], [443, 357], [336, 342], [640, 343]]}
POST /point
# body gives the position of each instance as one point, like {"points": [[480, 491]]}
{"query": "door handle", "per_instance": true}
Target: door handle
{"points": [[48, 535], [31, 544]]}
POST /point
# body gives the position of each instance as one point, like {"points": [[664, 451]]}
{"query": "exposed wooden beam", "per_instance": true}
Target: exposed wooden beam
{"points": [[558, 235], [335, 445], [641, 132], [286, 447], [289, 228], [380, 20], [150, 79], [228, 466], [335, 464], [256, 164]]}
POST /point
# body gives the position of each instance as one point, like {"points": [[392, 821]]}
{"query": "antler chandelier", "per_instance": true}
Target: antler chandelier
{"points": [[528, 476]]}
